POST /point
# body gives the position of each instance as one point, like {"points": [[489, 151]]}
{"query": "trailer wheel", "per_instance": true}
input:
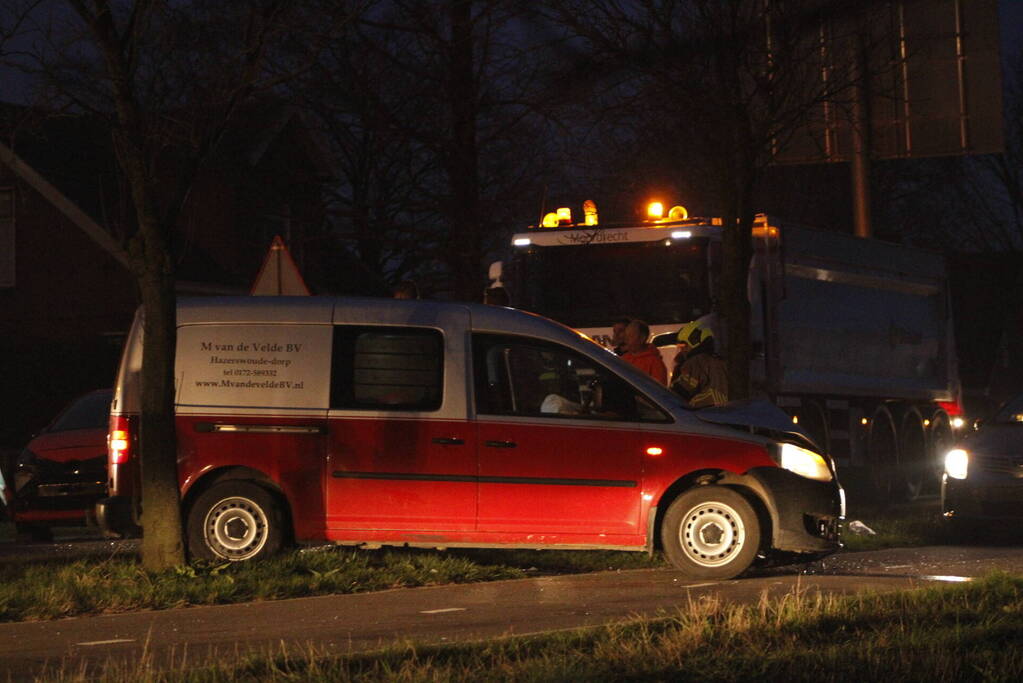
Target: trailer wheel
{"points": [[710, 532], [883, 456], [914, 470], [235, 520]]}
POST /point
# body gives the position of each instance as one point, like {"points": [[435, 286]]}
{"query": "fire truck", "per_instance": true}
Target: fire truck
{"points": [[851, 337]]}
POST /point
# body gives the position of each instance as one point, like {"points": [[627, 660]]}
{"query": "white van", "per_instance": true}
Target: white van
{"points": [[380, 421]]}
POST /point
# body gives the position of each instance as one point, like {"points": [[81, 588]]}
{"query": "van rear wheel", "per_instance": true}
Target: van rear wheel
{"points": [[711, 532], [235, 521]]}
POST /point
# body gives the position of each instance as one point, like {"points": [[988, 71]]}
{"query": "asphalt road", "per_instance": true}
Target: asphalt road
{"points": [[352, 623]]}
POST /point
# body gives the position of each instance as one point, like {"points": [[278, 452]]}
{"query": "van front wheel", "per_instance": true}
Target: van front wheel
{"points": [[234, 521], [710, 532]]}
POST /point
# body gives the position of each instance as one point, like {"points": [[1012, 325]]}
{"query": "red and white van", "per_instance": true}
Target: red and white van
{"points": [[430, 424]]}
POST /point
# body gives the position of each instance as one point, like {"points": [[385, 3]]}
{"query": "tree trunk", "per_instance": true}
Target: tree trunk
{"points": [[162, 545], [464, 251], [736, 254]]}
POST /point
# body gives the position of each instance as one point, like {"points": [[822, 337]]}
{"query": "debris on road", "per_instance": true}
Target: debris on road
{"points": [[859, 528]]}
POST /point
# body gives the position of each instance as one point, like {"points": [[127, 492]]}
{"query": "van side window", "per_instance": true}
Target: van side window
{"points": [[522, 376], [387, 368]]}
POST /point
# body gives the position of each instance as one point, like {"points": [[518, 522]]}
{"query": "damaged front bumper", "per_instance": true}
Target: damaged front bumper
{"points": [[805, 514]]}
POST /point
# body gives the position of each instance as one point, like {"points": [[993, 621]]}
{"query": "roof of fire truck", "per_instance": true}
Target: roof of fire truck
{"points": [[558, 228]]}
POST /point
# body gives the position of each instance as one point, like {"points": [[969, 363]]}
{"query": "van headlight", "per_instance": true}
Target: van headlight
{"points": [[957, 463], [804, 462]]}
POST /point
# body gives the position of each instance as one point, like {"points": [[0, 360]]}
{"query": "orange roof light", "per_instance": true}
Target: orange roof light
{"points": [[769, 231], [655, 211], [678, 213]]}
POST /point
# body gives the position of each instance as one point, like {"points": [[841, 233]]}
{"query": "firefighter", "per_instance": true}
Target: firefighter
{"points": [[699, 375]]}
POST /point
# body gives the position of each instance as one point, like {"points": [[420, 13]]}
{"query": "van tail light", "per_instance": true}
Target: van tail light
{"points": [[119, 440]]}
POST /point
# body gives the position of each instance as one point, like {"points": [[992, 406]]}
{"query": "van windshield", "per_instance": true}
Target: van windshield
{"points": [[592, 285]]}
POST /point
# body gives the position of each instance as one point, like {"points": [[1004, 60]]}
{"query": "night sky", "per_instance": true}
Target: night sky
{"points": [[15, 88]]}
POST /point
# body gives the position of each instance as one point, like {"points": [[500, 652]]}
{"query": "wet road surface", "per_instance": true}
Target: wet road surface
{"points": [[69, 547], [440, 614], [934, 563]]}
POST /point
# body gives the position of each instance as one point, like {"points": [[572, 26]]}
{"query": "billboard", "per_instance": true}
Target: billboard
{"points": [[932, 82]]}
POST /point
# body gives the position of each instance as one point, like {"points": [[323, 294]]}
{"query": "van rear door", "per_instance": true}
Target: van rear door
{"points": [[254, 395]]}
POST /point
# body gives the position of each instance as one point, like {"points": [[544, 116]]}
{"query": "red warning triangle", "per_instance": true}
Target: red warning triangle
{"points": [[279, 275]]}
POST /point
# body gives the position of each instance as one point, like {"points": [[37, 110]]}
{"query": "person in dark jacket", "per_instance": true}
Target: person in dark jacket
{"points": [[496, 296], [700, 375]]}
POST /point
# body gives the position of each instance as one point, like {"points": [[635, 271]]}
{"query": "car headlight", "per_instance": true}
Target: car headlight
{"points": [[804, 462], [957, 463], [26, 469], [26, 458]]}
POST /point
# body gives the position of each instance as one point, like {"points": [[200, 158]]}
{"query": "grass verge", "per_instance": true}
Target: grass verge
{"points": [[54, 589], [62, 588], [963, 632], [898, 526]]}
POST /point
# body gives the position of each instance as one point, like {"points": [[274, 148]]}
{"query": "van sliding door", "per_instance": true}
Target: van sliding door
{"points": [[401, 453]]}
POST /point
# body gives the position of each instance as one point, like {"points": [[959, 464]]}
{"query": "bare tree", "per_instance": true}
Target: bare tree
{"points": [[376, 204], [168, 79], [454, 97], [723, 86]]}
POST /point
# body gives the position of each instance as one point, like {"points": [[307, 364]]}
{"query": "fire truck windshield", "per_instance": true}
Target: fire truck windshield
{"points": [[592, 285]]}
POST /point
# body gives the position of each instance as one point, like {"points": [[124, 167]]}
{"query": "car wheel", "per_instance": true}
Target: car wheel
{"points": [[711, 532], [234, 521], [963, 531], [25, 532]]}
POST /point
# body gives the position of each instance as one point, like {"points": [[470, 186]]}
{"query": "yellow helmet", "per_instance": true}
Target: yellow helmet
{"points": [[694, 334]]}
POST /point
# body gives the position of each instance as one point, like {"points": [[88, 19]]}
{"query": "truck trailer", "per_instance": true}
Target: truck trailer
{"points": [[851, 337]]}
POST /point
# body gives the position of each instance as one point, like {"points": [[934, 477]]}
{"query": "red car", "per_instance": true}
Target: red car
{"points": [[61, 473]]}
